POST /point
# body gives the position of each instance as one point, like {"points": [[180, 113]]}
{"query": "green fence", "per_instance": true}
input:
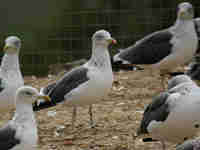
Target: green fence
{"points": [[60, 31]]}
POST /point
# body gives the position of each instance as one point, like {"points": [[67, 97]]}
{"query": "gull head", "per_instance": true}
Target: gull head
{"points": [[178, 80], [29, 95], [12, 44], [103, 37], [185, 11]]}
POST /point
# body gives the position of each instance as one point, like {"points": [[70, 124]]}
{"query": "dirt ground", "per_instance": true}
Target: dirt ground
{"points": [[117, 117]]}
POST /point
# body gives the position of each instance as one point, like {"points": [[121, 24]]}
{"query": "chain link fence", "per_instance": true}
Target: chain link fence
{"points": [[70, 39]]}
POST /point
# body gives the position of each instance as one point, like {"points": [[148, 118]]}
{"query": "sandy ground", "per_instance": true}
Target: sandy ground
{"points": [[117, 117]]}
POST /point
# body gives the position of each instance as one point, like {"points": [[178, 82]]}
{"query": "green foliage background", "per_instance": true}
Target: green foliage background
{"points": [[60, 31]]}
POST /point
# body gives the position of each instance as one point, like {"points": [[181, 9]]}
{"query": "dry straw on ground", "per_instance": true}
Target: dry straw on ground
{"points": [[117, 117]]}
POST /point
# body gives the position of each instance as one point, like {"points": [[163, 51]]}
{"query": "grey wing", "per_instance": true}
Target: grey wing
{"points": [[65, 85], [47, 89], [69, 82], [157, 110], [8, 138], [149, 50]]}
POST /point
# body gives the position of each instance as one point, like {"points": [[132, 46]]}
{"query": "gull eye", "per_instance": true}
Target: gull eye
{"points": [[99, 37], [28, 93]]}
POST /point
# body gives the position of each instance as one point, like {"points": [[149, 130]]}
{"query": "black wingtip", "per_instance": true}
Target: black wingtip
{"points": [[149, 140], [173, 74], [43, 105], [116, 66]]}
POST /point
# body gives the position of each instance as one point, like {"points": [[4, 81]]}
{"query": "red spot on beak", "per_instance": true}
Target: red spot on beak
{"points": [[114, 41]]}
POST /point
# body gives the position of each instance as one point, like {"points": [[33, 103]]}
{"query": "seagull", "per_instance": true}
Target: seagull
{"points": [[166, 49], [189, 145], [20, 133], [86, 84], [173, 115], [10, 74]]}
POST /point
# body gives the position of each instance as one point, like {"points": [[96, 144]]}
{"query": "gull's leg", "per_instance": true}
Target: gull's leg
{"points": [[163, 145], [163, 82], [73, 116], [163, 77], [91, 117]]}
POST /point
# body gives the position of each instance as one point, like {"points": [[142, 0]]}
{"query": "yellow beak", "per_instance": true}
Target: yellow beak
{"points": [[112, 41], [44, 97], [8, 47]]}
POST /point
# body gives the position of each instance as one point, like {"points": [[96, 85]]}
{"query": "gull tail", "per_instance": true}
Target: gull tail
{"points": [[120, 64], [142, 134], [41, 104]]}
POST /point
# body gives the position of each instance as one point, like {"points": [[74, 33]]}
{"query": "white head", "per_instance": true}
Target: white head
{"points": [[29, 95], [103, 38], [178, 80], [185, 11], [12, 44]]}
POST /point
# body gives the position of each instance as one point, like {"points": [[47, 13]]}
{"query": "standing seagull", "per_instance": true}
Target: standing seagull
{"points": [[173, 115], [10, 74], [166, 49], [190, 145], [20, 133], [87, 84]]}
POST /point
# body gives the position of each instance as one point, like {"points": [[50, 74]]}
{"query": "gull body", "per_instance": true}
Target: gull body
{"points": [[166, 49], [20, 133], [10, 73], [173, 115], [86, 84]]}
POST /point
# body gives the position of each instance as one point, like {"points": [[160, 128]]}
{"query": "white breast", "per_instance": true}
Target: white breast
{"points": [[185, 44], [92, 91], [7, 96], [185, 47], [27, 132]]}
